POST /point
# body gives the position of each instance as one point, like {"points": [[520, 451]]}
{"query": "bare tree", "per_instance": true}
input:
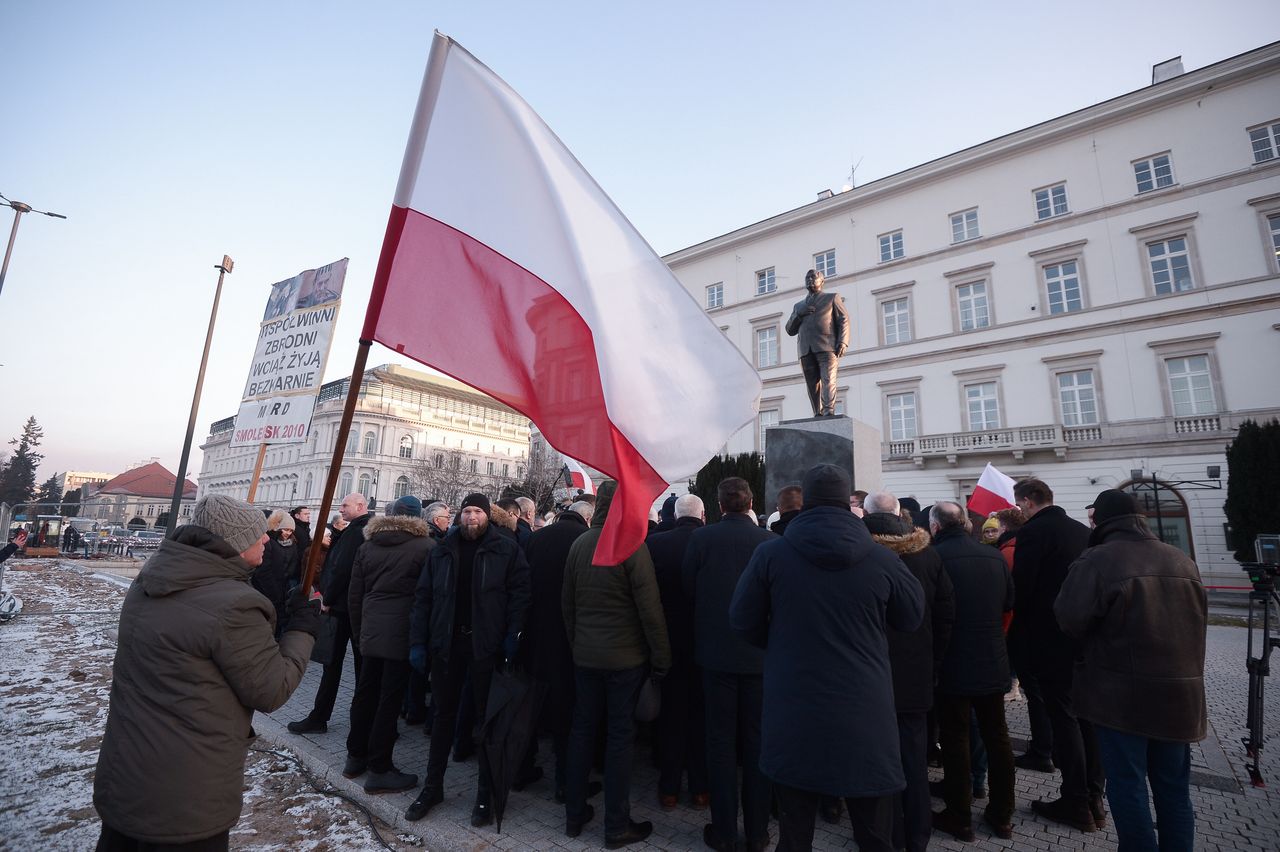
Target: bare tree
{"points": [[447, 475], [543, 477]]}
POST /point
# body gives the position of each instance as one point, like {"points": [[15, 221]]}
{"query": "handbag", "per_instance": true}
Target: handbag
{"points": [[649, 702]]}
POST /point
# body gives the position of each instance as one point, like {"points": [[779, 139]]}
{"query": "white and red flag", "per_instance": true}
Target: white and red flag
{"points": [[578, 477], [993, 492], [507, 267]]}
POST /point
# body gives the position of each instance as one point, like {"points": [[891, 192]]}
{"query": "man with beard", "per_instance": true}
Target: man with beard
{"points": [[469, 611]]}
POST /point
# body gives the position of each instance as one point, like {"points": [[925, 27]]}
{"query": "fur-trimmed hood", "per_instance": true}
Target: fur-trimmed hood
{"points": [[896, 534], [395, 523], [502, 517]]}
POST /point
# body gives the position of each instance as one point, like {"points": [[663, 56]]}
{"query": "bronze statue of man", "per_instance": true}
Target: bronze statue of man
{"points": [[823, 325]]}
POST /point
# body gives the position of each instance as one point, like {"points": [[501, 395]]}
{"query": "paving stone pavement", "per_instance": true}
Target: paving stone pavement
{"points": [[1231, 814]]}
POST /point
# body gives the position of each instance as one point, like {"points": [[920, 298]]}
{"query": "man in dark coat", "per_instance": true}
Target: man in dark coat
{"points": [[915, 657], [334, 582], [1048, 543], [552, 659], [819, 601], [975, 673], [732, 670], [789, 502], [613, 618], [469, 611], [1140, 682], [380, 597], [680, 740], [301, 527]]}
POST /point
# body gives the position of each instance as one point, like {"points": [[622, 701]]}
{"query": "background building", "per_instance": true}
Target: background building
{"points": [[413, 433], [74, 479], [1092, 300], [139, 497]]}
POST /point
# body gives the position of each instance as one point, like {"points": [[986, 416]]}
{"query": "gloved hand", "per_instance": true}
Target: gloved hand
{"points": [[510, 646], [304, 614], [418, 658]]}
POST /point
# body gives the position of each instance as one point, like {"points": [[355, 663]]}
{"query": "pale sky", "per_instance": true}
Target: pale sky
{"points": [[173, 133]]}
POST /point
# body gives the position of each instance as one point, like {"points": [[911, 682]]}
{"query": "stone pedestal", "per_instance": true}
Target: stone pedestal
{"points": [[794, 446]]}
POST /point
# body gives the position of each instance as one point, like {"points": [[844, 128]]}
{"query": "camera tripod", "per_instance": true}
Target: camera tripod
{"points": [[1264, 596]]}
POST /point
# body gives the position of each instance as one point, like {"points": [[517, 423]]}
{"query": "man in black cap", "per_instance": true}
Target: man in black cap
{"points": [[818, 601], [1140, 683], [470, 607]]}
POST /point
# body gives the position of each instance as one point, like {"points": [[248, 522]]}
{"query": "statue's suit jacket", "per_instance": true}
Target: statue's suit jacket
{"points": [[829, 329]]}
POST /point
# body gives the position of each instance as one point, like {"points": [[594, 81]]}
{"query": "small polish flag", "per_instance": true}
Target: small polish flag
{"points": [[578, 476], [993, 492]]}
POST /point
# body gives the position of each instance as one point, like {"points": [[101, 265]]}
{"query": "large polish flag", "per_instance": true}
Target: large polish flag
{"points": [[506, 266], [993, 492]]}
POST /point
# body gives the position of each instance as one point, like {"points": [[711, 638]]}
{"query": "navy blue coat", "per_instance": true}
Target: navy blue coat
{"points": [[667, 550], [715, 560], [819, 601]]}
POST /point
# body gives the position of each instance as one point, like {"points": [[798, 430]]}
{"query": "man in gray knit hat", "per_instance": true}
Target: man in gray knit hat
{"points": [[196, 656]]}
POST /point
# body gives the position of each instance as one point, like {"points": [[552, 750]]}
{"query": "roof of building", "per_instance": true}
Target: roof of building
{"points": [[150, 480]]}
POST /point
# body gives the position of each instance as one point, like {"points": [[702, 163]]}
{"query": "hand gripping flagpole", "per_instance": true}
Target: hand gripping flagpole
{"points": [[395, 225]]}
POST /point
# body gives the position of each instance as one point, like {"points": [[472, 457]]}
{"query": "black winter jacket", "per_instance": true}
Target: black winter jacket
{"points": [[916, 656], [279, 566], [1047, 544], [499, 595], [819, 601], [1140, 611], [545, 642], [339, 561], [383, 581], [977, 659], [667, 550], [715, 560]]}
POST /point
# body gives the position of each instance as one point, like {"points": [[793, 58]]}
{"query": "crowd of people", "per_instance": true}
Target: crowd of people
{"points": [[812, 666]]}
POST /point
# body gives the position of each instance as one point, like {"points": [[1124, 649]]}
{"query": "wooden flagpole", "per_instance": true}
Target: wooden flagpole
{"points": [[257, 473], [335, 466]]}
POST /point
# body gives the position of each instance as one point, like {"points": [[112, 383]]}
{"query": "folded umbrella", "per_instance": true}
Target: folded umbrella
{"points": [[510, 723]]}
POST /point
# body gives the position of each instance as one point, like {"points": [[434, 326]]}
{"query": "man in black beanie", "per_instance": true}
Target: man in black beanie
{"points": [[469, 611], [818, 602], [1139, 682]]}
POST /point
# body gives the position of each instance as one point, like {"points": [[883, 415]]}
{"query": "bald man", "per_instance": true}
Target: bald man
{"points": [[335, 578]]}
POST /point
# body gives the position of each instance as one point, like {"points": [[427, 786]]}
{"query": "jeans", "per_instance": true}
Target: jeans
{"points": [[913, 818], [1075, 746], [953, 718], [614, 694], [327, 692], [679, 729], [734, 704], [374, 710], [1132, 763], [797, 809], [977, 753]]}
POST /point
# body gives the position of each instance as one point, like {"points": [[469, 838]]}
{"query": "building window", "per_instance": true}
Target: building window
{"points": [[366, 485], [406, 447], [971, 300], [402, 487], [902, 416], [1190, 385], [307, 487], [1170, 265], [767, 347], [344, 486], [769, 418], [370, 443], [1062, 286], [1153, 173], [1051, 201], [891, 246], [825, 262], [351, 441], [1078, 398], [1265, 139], [715, 295], [896, 316], [766, 281], [438, 460], [506, 471], [983, 406], [1273, 228], [475, 465], [964, 225]]}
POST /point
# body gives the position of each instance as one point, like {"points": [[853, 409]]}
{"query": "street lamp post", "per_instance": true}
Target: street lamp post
{"points": [[18, 209], [223, 269]]}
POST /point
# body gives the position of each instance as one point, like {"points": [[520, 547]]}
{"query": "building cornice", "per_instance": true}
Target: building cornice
{"points": [[1193, 84]]}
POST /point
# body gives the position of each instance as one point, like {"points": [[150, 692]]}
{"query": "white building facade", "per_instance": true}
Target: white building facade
{"points": [[1077, 301], [404, 419]]}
